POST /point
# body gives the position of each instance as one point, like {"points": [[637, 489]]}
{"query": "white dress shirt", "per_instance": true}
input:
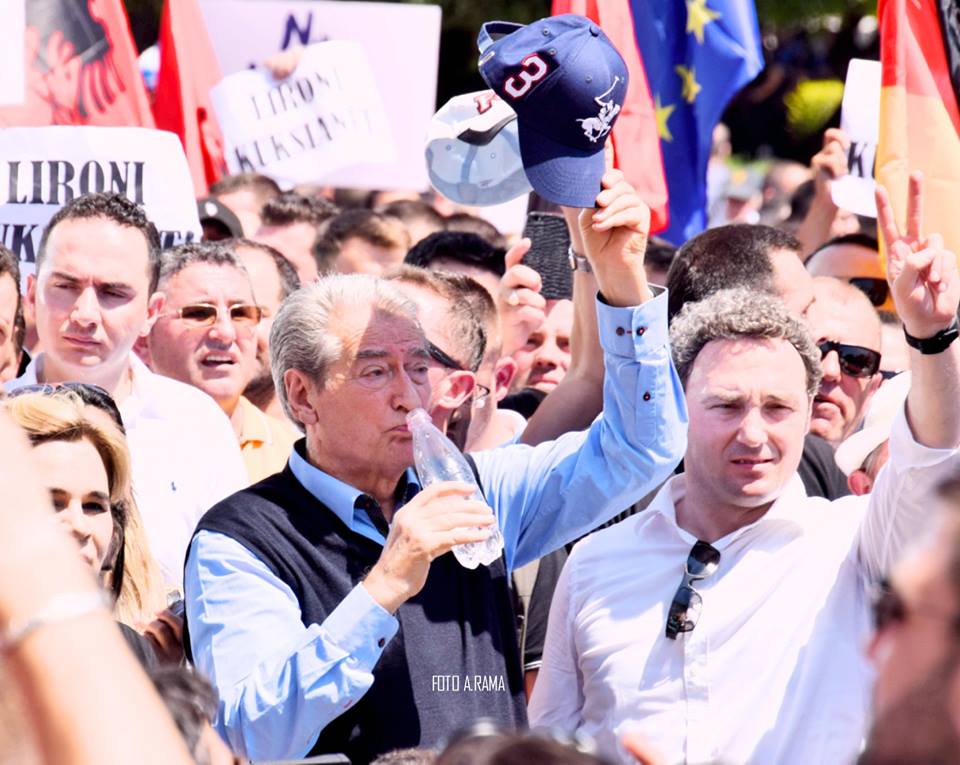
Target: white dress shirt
{"points": [[185, 457], [774, 671]]}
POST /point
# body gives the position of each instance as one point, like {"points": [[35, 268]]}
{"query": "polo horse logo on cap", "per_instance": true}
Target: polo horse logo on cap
{"points": [[597, 127]]}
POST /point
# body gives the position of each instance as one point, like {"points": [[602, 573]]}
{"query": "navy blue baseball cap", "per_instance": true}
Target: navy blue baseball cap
{"points": [[567, 83]]}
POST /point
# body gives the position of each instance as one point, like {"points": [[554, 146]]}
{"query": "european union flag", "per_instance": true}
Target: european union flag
{"points": [[697, 55]]}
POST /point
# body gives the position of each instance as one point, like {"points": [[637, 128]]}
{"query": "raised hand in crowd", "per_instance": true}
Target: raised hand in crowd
{"points": [[521, 307], [281, 65], [829, 164], [86, 698], [925, 285], [615, 240]]}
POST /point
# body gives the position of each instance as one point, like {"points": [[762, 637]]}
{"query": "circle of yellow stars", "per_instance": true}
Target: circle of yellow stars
{"points": [[699, 15]]}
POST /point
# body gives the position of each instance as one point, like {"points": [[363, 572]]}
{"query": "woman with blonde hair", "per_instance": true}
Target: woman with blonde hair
{"points": [[76, 431]]}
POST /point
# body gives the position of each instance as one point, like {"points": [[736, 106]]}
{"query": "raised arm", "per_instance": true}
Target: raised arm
{"points": [[578, 399], [924, 438]]}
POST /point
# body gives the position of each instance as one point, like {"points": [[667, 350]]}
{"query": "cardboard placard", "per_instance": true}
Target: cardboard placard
{"points": [[43, 168], [401, 43], [326, 116], [860, 119]]}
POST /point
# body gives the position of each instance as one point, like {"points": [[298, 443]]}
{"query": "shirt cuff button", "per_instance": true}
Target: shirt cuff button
{"points": [[646, 396], [641, 330], [620, 331], [382, 642]]}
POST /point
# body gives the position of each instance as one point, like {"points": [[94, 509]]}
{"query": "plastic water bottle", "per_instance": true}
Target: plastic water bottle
{"points": [[438, 459]]}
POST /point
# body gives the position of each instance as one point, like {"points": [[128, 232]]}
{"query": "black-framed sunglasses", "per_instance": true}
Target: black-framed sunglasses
{"points": [[443, 358], [702, 562], [207, 314], [855, 360], [88, 393], [890, 608], [874, 288]]}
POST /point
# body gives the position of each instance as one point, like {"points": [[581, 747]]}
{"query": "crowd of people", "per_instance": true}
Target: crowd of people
{"points": [[725, 473]]}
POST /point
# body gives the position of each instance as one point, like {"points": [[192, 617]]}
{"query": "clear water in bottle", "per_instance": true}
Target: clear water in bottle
{"points": [[438, 459]]}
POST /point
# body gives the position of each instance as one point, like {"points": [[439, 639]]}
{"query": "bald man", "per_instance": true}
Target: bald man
{"points": [[847, 330]]}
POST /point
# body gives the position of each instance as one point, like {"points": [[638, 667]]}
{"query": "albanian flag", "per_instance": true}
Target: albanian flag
{"points": [[81, 67], [919, 118]]}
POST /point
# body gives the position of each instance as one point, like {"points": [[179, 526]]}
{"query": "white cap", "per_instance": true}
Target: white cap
{"points": [[883, 407], [473, 153]]}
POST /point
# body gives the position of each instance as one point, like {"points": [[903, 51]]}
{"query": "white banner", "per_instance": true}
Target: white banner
{"points": [[326, 116], [860, 119], [12, 58], [43, 168], [401, 43]]}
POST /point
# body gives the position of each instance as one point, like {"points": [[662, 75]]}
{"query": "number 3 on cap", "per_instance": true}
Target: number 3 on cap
{"points": [[533, 69]]}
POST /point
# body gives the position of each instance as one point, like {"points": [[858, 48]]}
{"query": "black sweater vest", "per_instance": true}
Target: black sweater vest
{"points": [[454, 658]]}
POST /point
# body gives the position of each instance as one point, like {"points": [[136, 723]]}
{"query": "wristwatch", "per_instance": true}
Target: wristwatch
{"points": [[936, 344], [578, 262]]}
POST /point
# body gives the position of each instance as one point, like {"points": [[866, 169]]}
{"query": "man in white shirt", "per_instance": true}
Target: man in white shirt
{"points": [[727, 622], [94, 293]]}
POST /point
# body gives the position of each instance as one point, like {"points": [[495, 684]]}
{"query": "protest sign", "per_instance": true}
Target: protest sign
{"points": [[327, 115], [12, 60], [43, 168], [860, 119], [401, 43]]}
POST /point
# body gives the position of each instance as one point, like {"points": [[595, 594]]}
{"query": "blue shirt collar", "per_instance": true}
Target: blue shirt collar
{"points": [[340, 497]]}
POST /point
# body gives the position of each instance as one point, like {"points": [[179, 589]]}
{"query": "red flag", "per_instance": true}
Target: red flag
{"points": [[636, 141], [919, 116], [188, 69], [81, 67]]}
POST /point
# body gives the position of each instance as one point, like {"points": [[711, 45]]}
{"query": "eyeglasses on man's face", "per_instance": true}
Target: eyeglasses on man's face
{"points": [[481, 393], [684, 612], [198, 315], [855, 360]]}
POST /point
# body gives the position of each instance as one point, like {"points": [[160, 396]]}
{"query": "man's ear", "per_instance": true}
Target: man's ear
{"points": [[454, 390], [154, 308], [299, 388], [30, 296], [141, 347], [859, 482], [506, 370]]}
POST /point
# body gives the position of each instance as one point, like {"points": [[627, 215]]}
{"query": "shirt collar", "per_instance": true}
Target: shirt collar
{"points": [[340, 497], [784, 508], [255, 427]]}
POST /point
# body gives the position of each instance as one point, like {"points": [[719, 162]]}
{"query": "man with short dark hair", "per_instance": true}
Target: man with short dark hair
{"points": [[740, 255], [361, 242], [293, 224], [763, 259], [11, 316], [206, 337], [274, 280], [463, 252], [246, 194], [94, 293], [726, 621]]}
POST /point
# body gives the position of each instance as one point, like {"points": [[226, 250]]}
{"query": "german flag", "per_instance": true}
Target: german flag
{"points": [[919, 118]]}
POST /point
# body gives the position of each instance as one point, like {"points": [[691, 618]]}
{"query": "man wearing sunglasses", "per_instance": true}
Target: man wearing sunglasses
{"points": [[94, 294], [206, 336], [847, 331], [727, 621], [854, 258], [915, 648]]}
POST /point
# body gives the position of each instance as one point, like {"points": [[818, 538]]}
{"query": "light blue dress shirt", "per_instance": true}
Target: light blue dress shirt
{"points": [[281, 683]]}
